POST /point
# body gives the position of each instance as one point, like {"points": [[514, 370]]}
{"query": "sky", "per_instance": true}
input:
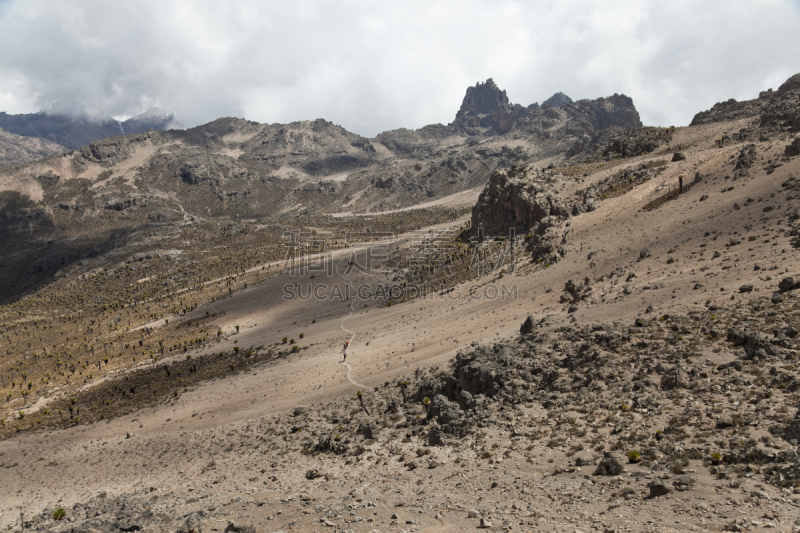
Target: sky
{"points": [[372, 66]]}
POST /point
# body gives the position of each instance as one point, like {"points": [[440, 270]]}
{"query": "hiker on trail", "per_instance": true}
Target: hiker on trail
{"points": [[344, 350]]}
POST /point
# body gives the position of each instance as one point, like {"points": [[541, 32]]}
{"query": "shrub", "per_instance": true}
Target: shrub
{"points": [[634, 456], [59, 513]]}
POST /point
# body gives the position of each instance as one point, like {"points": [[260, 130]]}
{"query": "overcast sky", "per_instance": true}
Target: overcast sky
{"points": [[374, 65]]}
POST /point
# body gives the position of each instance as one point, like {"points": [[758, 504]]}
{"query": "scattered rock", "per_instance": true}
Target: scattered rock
{"points": [[788, 284], [368, 429], [315, 474], [233, 528], [677, 378], [658, 488], [527, 326], [608, 466], [684, 483], [678, 156], [724, 421]]}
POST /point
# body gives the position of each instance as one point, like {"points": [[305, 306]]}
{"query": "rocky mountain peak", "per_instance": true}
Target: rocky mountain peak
{"points": [[557, 100], [486, 106]]}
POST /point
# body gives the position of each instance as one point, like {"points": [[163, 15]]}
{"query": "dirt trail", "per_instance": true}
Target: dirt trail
{"points": [[349, 349], [459, 199]]}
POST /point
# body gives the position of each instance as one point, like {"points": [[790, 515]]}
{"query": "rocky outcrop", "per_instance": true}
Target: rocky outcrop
{"points": [[606, 112], [792, 84], [523, 201], [727, 111], [793, 149], [747, 156], [633, 142], [16, 149], [610, 126], [775, 109], [519, 198], [781, 111]]}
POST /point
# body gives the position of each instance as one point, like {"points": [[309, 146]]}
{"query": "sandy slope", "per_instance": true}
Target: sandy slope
{"points": [[393, 341]]}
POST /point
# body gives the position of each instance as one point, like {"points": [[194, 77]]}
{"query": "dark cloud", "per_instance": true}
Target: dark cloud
{"points": [[374, 66]]}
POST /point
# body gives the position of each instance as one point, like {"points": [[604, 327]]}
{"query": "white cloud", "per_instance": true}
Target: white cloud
{"points": [[373, 66]]}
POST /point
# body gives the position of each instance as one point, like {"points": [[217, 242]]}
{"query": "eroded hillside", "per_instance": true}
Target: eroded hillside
{"points": [[83, 203]]}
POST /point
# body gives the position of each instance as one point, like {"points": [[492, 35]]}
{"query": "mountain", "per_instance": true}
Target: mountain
{"points": [[624, 337], [62, 208], [75, 132], [16, 149], [486, 110]]}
